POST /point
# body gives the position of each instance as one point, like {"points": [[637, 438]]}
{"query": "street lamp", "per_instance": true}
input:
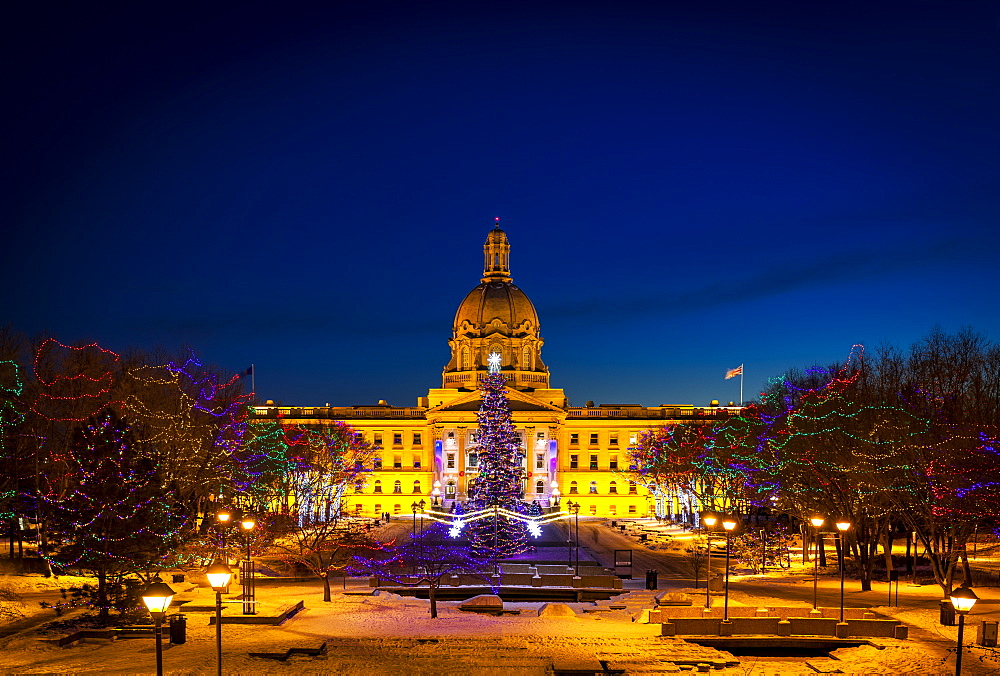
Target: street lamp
{"points": [[157, 597], [709, 520], [729, 524], [219, 576], [962, 599], [842, 526], [248, 523], [816, 521], [555, 492], [223, 517], [569, 537], [436, 494], [574, 507]]}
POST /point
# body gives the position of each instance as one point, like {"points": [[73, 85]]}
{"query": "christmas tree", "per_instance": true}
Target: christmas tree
{"points": [[501, 472]]}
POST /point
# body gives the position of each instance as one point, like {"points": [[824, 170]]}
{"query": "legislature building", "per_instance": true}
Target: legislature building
{"points": [[427, 450]]}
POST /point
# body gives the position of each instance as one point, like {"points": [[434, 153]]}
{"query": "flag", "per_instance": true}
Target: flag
{"points": [[732, 373], [248, 372]]}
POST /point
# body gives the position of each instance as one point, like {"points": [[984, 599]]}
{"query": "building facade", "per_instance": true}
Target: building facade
{"points": [[571, 452]]}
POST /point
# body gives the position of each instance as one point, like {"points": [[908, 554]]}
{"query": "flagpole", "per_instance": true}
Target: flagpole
{"points": [[740, 402], [253, 381]]}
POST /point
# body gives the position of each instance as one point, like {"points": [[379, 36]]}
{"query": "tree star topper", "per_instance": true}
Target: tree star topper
{"points": [[494, 362]]}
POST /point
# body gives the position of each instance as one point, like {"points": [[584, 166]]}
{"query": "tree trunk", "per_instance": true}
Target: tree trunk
{"points": [[821, 546], [102, 597], [432, 595], [966, 569], [890, 566], [326, 587]]}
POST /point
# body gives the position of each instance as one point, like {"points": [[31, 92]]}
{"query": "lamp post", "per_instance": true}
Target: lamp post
{"points": [[415, 506], [816, 522], [709, 520], [223, 517], [962, 599], [729, 524], [569, 537], [157, 597], [842, 526], [436, 494], [248, 523], [219, 576], [554, 492], [575, 508]]}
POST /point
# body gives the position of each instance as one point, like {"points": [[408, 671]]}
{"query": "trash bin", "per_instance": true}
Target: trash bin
{"points": [[947, 614], [642, 537], [987, 634], [614, 524], [178, 578], [178, 628], [651, 579]]}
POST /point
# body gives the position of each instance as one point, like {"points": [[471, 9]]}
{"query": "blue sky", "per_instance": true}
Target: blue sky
{"points": [[687, 186]]}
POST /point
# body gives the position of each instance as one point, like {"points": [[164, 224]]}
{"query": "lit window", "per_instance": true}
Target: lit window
{"points": [[451, 461], [593, 486], [613, 488], [397, 439], [593, 462], [612, 510], [416, 439], [574, 462], [449, 490], [397, 487], [632, 488], [631, 509], [539, 461], [593, 510], [416, 462], [593, 438], [539, 486], [397, 509], [614, 439], [377, 462], [377, 509], [574, 439], [573, 487], [378, 438], [416, 486], [378, 486], [473, 460], [613, 462], [397, 462]]}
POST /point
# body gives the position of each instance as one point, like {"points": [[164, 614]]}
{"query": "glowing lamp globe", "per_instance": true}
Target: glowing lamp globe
{"points": [[963, 599], [223, 516], [219, 575], [817, 521], [710, 520], [729, 524], [843, 525], [157, 597], [248, 523]]}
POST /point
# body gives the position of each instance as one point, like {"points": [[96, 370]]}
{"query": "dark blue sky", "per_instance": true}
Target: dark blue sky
{"points": [[686, 185]]}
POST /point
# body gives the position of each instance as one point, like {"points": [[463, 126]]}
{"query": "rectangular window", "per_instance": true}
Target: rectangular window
{"points": [[593, 438], [633, 438], [593, 462], [397, 439], [631, 509], [593, 510], [397, 462], [377, 509], [416, 462], [473, 459], [612, 509], [613, 462], [614, 439], [378, 438], [574, 462], [573, 488], [451, 461], [539, 461], [377, 463], [632, 488], [416, 439], [473, 438], [574, 439]]}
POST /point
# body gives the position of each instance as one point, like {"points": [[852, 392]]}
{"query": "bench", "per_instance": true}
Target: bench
{"points": [[283, 657]]}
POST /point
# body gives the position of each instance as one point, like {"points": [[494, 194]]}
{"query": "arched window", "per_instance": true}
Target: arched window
{"points": [[397, 487], [416, 486], [378, 486], [449, 490], [539, 486], [613, 488], [593, 486], [613, 510], [573, 487]]}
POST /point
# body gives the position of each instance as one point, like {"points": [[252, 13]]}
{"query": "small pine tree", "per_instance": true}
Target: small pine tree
{"points": [[109, 512]]}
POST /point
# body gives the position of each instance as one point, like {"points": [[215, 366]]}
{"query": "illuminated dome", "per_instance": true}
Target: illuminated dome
{"points": [[496, 316]]}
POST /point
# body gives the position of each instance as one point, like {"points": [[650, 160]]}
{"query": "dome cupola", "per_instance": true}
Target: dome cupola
{"points": [[496, 316]]}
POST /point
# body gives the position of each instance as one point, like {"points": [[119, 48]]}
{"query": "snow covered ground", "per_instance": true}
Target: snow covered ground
{"points": [[389, 634]]}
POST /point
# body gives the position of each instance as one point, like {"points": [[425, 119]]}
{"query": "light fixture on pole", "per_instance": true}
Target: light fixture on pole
{"points": [[842, 526], [709, 520], [248, 523], [730, 525], [576, 537], [436, 494], [219, 575], [223, 519], [962, 599], [569, 536], [817, 522], [554, 492], [157, 597]]}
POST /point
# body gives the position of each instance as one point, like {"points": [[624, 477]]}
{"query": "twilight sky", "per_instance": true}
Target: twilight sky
{"points": [[687, 186]]}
